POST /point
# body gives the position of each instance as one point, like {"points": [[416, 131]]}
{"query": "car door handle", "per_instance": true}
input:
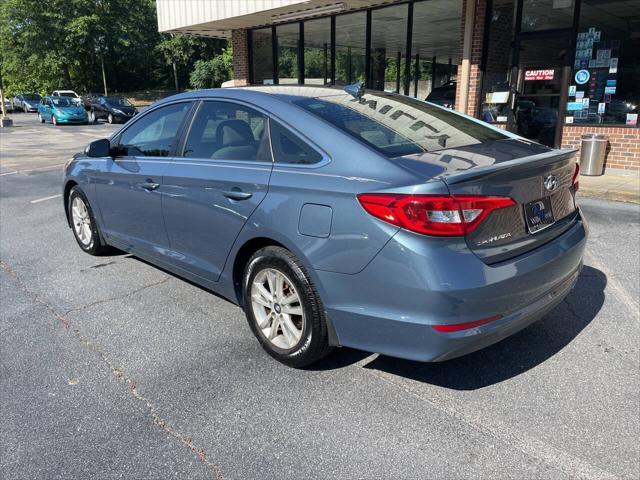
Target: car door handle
{"points": [[237, 194], [149, 186]]}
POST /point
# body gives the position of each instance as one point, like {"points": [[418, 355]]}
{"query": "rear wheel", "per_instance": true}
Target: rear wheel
{"points": [[283, 308], [83, 223]]}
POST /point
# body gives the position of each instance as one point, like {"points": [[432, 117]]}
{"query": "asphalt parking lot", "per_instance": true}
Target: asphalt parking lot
{"points": [[110, 367]]}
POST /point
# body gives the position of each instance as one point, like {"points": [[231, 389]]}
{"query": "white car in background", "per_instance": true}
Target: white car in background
{"points": [[75, 98]]}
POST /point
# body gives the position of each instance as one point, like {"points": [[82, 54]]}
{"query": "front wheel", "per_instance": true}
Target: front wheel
{"points": [[283, 308], [110, 119], [83, 223], [41, 118]]}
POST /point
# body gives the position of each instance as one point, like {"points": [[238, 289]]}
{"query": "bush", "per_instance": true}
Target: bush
{"points": [[212, 73]]}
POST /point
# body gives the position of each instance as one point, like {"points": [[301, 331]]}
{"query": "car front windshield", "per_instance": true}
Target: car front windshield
{"points": [[117, 101], [62, 102], [396, 125]]}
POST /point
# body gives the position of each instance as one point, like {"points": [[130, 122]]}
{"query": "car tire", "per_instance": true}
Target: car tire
{"points": [[110, 119], [83, 223], [294, 333], [40, 117]]}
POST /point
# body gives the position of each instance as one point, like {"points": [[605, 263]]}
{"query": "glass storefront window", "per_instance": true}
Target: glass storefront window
{"points": [[497, 73], [288, 41], [547, 14], [350, 47], [435, 50], [262, 53], [388, 47], [317, 51], [606, 67]]}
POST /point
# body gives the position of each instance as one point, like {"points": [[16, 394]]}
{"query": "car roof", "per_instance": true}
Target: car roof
{"points": [[286, 93]]}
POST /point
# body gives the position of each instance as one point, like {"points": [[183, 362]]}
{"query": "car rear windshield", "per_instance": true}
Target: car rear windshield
{"points": [[30, 96], [396, 125]]}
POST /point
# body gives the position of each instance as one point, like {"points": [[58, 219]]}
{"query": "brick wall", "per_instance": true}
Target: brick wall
{"points": [[624, 144], [240, 58], [476, 56]]}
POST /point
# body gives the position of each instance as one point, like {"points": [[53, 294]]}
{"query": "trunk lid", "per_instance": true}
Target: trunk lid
{"points": [[512, 168]]}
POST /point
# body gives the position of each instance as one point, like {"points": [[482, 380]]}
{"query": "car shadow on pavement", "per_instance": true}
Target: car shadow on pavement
{"points": [[508, 358]]}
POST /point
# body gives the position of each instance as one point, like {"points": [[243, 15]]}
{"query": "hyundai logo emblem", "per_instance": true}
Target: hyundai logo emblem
{"points": [[551, 183]]}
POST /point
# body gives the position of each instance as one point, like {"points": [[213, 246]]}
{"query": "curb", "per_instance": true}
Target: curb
{"points": [[615, 195]]}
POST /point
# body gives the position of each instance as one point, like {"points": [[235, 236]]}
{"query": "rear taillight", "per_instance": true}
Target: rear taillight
{"points": [[456, 327], [576, 178], [440, 215]]}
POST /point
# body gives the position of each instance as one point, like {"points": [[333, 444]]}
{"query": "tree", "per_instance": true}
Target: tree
{"points": [[182, 52], [90, 44], [212, 73]]}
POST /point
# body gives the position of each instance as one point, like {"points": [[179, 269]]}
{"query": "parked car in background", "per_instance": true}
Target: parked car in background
{"points": [[369, 220], [26, 102], [69, 94], [8, 105], [61, 109], [113, 109], [444, 95]]}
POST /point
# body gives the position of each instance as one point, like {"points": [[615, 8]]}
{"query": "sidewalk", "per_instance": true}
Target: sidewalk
{"points": [[619, 185]]}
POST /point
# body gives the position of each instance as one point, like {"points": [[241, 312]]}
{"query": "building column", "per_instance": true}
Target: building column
{"points": [[471, 43], [240, 57]]}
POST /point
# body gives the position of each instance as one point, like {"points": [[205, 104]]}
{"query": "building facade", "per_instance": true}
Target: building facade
{"points": [[550, 70]]}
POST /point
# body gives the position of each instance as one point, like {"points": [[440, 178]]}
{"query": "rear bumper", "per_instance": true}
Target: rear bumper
{"points": [[416, 282]]}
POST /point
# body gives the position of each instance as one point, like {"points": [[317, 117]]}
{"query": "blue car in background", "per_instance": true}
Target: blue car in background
{"points": [[59, 110], [339, 218]]}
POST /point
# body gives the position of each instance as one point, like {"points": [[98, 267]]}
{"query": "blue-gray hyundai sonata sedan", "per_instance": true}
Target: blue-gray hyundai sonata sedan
{"points": [[360, 219]]}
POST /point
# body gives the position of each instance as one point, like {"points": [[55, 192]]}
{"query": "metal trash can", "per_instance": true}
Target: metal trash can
{"points": [[592, 153]]}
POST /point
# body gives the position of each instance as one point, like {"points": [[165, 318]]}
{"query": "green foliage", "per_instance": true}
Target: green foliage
{"points": [[212, 73], [51, 44]]}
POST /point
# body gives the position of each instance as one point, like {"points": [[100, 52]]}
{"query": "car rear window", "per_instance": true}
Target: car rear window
{"points": [[396, 125]]}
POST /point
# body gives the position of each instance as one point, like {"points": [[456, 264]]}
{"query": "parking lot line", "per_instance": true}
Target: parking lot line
{"points": [[46, 198], [8, 173]]}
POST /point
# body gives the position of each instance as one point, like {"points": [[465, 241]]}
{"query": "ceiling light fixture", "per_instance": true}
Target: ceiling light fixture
{"points": [[326, 10]]}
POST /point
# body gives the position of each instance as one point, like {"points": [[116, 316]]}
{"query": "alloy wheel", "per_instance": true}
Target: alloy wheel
{"points": [[81, 221], [277, 308]]}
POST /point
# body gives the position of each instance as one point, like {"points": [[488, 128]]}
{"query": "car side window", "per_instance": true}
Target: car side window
{"points": [[227, 131], [288, 148], [155, 134]]}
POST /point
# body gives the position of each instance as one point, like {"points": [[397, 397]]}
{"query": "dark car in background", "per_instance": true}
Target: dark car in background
{"points": [[445, 95], [114, 109], [26, 102]]}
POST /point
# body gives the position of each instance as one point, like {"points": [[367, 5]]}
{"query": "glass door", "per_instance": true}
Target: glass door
{"points": [[540, 96]]}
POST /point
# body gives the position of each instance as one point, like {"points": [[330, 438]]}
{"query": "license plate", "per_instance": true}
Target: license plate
{"points": [[539, 214]]}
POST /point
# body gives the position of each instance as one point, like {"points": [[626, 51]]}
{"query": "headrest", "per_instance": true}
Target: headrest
{"points": [[232, 133]]}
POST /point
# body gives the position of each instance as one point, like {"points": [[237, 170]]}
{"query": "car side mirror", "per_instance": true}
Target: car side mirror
{"points": [[98, 148]]}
